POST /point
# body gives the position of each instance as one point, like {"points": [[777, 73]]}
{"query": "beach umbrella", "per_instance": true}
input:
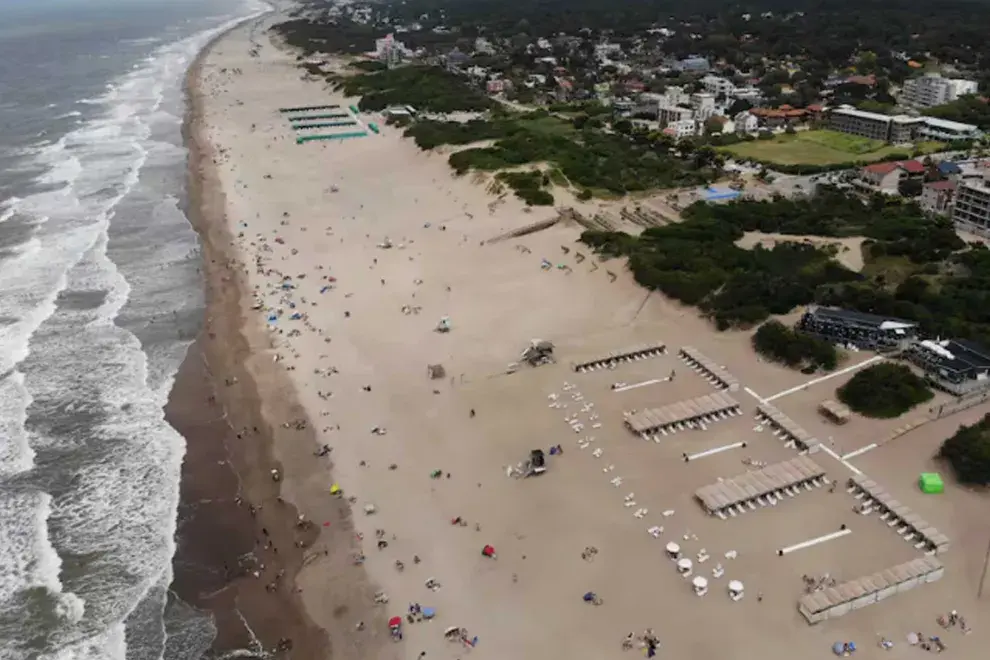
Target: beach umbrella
{"points": [[428, 612], [335, 489], [838, 648], [395, 621], [488, 551]]}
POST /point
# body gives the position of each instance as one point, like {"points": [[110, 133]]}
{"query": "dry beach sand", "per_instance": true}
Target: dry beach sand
{"points": [[298, 230]]}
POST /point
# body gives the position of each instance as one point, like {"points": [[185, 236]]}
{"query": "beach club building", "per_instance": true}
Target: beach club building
{"points": [[864, 331], [957, 366]]}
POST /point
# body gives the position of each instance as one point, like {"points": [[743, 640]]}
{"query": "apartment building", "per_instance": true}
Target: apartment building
{"points": [[944, 130], [668, 115], [682, 129], [937, 196], [972, 207], [751, 94], [703, 105], [675, 95], [896, 129], [718, 86], [932, 89]]}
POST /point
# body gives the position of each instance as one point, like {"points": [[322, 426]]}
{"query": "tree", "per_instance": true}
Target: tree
{"points": [[775, 341], [910, 187], [623, 126], [739, 105], [884, 391], [713, 125], [968, 452]]}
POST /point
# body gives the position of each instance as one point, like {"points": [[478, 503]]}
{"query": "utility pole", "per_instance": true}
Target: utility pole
{"points": [[983, 576]]}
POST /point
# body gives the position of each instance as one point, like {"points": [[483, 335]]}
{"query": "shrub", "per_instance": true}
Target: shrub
{"points": [[884, 390], [528, 187], [968, 452], [775, 341]]}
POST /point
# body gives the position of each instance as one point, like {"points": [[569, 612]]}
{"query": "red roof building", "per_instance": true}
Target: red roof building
{"points": [[886, 177]]}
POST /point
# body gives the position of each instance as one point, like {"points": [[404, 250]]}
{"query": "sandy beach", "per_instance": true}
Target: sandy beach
{"points": [[329, 266]]}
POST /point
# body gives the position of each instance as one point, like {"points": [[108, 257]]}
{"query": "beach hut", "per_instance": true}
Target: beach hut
{"points": [[931, 483], [834, 411]]}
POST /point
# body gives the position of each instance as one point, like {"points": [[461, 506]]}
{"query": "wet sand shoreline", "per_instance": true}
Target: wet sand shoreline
{"points": [[216, 403]]}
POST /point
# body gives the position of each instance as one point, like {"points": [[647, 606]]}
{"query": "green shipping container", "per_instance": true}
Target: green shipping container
{"points": [[931, 483]]}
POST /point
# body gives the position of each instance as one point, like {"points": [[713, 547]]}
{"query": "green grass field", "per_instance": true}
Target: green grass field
{"points": [[821, 147]]}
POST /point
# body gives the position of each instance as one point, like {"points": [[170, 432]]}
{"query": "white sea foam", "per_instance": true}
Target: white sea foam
{"points": [[8, 208], [126, 506], [28, 557]]}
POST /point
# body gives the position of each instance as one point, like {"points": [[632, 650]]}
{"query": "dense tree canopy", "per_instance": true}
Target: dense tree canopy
{"points": [[698, 263], [587, 157], [968, 452], [941, 285], [426, 88], [884, 390], [775, 341], [968, 110], [819, 36]]}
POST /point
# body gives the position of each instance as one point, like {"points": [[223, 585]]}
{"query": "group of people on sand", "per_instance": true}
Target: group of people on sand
{"points": [[648, 641]]}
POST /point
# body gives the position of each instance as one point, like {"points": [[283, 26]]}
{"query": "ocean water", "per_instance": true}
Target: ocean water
{"points": [[100, 296]]}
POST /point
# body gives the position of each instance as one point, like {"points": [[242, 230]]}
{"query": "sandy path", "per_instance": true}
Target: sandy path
{"points": [[292, 224], [850, 252]]}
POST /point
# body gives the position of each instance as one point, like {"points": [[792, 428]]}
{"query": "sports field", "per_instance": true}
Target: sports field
{"points": [[821, 147]]}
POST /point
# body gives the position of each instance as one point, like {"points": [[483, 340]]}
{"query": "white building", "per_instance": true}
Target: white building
{"points": [[682, 128], [962, 87], [674, 95], [751, 94], [972, 207], [667, 115], [946, 131], [718, 86], [746, 123], [483, 47], [932, 89], [389, 50], [898, 129], [703, 104]]}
